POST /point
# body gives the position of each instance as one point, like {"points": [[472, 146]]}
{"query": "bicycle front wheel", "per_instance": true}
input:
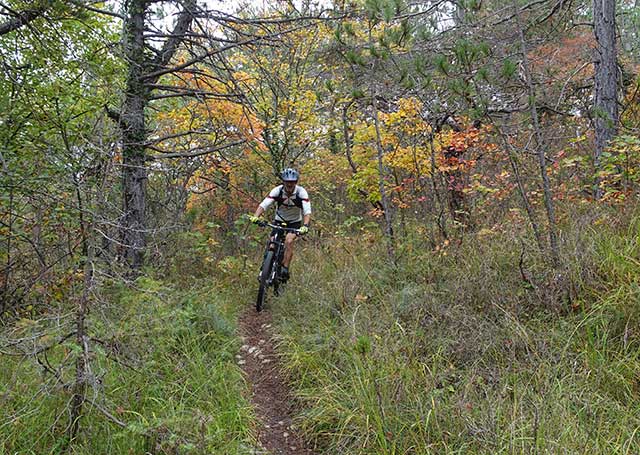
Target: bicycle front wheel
{"points": [[265, 272]]}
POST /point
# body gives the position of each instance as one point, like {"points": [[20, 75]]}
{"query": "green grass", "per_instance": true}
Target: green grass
{"points": [[450, 352], [162, 364], [456, 354]]}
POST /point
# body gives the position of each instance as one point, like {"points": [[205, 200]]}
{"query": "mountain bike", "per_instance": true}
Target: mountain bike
{"points": [[271, 270]]}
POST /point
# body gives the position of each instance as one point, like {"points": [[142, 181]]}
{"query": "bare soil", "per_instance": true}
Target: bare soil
{"points": [[270, 394]]}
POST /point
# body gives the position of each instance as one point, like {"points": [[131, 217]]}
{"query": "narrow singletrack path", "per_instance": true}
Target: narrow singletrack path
{"points": [[270, 395]]}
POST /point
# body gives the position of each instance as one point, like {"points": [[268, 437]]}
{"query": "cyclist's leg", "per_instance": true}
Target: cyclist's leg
{"points": [[288, 251]]}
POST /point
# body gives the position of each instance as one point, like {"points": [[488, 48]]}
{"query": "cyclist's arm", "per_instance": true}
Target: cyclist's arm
{"points": [[268, 201], [306, 207]]}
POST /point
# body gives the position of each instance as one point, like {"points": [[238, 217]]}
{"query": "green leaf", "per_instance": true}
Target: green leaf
{"points": [[348, 28], [352, 57], [363, 345], [388, 10], [483, 74], [484, 49], [442, 64], [508, 69]]}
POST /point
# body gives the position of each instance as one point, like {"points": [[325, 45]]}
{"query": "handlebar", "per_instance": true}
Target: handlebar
{"points": [[263, 223], [275, 226]]}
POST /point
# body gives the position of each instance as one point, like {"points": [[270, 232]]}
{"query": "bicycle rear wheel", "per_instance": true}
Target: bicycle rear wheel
{"points": [[265, 272]]}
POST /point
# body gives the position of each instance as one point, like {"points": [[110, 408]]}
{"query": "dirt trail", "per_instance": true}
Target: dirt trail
{"points": [[270, 396]]}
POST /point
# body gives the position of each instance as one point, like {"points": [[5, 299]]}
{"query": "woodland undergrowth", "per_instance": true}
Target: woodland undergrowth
{"points": [[475, 346], [478, 347], [162, 374]]}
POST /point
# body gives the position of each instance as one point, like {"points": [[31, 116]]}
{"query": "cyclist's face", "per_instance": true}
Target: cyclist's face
{"points": [[289, 186]]}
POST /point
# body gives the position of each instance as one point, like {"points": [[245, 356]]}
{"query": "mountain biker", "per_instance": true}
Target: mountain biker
{"points": [[293, 211]]}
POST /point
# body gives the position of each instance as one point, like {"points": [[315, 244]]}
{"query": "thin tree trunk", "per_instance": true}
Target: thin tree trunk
{"points": [[82, 360], [540, 146], [384, 200], [7, 272], [419, 188], [453, 179], [523, 193], [348, 143], [347, 138], [606, 81], [439, 205]]}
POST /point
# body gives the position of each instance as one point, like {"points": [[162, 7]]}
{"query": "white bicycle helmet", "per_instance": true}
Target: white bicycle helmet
{"points": [[289, 175]]}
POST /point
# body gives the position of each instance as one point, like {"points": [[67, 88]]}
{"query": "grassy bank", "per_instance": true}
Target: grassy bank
{"points": [[475, 347], [455, 352], [162, 377]]}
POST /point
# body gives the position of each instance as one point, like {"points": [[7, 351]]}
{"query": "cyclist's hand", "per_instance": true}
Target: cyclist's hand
{"points": [[254, 219], [303, 230]]}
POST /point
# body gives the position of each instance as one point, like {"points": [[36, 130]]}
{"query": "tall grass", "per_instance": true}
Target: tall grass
{"points": [[476, 347], [164, 379], [454, 352]]}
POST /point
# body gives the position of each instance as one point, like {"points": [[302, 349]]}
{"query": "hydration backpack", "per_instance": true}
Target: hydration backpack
{"points": [[295, 198]]}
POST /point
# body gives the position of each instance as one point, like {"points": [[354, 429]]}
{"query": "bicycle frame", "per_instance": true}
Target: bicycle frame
{"points": [[272, 261], [276, 244]]}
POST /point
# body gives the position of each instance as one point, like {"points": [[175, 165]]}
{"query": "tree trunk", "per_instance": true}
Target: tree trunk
{"points": [[540, 146], [439, 205], [347, 137], [132, 120], [82, 360], [521, 189], [4, 296], [143, 72], [384, 200], [454, 182], [606, 81]]}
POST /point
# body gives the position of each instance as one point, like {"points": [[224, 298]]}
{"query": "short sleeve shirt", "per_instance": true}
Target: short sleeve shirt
{"points": [[290, 207]]}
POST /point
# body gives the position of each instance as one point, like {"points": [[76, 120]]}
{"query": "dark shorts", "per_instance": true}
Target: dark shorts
{"points": [[292, 225]]}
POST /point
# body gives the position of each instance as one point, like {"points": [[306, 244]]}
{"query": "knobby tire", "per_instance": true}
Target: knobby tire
{"points": [[265, 272]]}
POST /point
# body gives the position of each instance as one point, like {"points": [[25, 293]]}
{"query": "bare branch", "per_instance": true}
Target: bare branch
{"points": [[222, 17], [154, 75], [177, 135], [189, 92], [205, 151], [171, 45], [106, 413], [22, 18], [88, 6]]}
